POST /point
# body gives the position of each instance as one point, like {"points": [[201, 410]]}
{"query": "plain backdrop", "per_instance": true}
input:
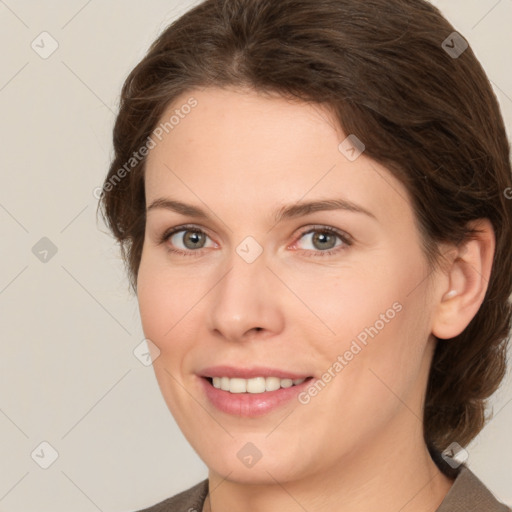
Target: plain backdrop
{"points": [[73, 395]]}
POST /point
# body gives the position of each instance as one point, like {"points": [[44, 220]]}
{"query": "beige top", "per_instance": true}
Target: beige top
{"points": [[467, 494]]}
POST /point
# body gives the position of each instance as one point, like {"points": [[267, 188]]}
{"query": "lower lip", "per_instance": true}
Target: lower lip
{"points": [[250, 405]]}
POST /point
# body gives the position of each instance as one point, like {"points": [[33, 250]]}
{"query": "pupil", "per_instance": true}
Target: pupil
{"points": [[193, 239], [321, 240]]}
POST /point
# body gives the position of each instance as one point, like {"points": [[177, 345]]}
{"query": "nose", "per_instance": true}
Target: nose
{"points": [[246, 303]]}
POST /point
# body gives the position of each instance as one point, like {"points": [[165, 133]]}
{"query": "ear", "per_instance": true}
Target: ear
{"points": [[465, 283]]}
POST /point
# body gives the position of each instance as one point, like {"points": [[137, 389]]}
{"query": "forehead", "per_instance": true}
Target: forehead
{"points": [[260, 150], [228, 122]]}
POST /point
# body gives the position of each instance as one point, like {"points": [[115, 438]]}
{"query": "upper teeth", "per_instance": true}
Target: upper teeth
{"points": [[255, 385]]}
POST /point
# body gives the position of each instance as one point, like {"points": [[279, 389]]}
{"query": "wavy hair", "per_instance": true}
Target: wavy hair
{"points": [[395, 74]]}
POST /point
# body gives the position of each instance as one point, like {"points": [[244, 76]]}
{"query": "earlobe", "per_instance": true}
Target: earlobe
{"points": [[468, 277]]}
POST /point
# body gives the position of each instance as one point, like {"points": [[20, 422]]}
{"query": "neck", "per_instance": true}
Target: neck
{"points": [[390, 474]]}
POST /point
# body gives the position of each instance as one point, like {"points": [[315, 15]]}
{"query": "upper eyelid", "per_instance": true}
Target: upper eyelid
{"points": [[329, 229], [185, 227]]}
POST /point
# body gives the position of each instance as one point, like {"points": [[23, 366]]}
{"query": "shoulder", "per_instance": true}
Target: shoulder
{"points": [[469, 494], [190, 500]]}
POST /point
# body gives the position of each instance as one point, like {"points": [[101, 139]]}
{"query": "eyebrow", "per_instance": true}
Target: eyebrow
{"points": [[286, 212]]}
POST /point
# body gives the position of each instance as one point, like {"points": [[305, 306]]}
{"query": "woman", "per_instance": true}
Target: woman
{"points": [[311, 198]]}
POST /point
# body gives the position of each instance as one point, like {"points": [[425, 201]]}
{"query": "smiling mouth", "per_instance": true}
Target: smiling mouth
{"points": [[255, 385]]}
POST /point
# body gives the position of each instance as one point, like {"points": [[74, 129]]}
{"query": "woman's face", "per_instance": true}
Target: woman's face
{"points": [[291, 257]]}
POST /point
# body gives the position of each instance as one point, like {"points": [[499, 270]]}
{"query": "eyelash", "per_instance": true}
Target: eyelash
{"points": [[347, 241]]}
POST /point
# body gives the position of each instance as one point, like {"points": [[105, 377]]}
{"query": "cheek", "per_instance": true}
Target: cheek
{"points": [[377, 314], [161, 309], [348, 301], [164, 294], [394, 328], [159, 304], [152, 304]]}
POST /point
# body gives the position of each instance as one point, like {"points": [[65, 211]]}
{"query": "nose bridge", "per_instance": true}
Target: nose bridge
{"points": [[243, 288], [244, 298]]}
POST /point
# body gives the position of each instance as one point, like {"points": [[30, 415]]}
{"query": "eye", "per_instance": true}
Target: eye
{"points": [[317, 241], [324, 240], [186, 240]]}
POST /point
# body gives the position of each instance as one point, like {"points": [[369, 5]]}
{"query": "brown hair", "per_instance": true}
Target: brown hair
{"points": [[385, 69]]}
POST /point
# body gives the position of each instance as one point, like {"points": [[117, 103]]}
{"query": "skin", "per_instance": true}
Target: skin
{"points": [[358, 445]]}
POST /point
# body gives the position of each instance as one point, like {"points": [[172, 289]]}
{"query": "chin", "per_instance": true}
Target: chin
{"points": [[254, 459], [262, 473]]}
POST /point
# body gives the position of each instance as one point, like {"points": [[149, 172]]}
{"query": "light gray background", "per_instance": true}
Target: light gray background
{"points": [[69, 325]]}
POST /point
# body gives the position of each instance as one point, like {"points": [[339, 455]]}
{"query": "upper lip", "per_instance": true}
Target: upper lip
{"points": [[248, 373]]}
